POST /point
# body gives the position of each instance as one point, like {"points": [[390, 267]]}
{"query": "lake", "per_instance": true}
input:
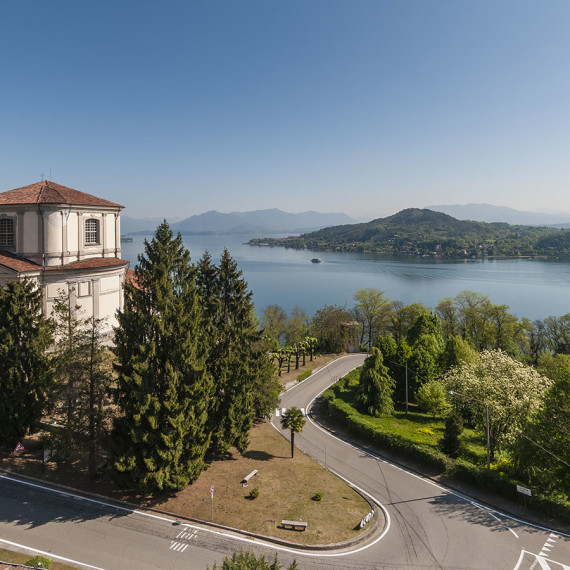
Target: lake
{"points": [[286, 277]]}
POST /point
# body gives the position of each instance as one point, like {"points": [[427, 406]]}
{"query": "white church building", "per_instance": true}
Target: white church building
{"points": [[64, 240]]}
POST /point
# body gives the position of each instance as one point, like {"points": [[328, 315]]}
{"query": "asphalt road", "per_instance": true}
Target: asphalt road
{"points": [[426, 526]]}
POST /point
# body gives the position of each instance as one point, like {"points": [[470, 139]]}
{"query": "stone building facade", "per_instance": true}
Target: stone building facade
{"points": [[66, 240]]}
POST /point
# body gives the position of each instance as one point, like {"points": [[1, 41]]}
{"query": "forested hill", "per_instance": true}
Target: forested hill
{"points": [[426, 232]]}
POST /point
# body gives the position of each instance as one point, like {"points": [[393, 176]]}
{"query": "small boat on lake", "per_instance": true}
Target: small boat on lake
{"points": [[316, 260]]}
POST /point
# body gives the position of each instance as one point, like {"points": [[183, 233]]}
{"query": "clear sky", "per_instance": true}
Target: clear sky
{"points": [[175, 107]]}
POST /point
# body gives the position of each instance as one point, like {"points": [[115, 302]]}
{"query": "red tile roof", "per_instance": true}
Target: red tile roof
{"points": [[23, 265], [93, 263], [16, 263], [47, 192]]}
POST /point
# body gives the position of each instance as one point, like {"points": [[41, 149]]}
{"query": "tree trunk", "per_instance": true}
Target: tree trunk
{"points": [[292, 443]]}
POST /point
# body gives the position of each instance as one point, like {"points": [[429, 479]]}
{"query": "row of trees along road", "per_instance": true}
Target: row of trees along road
{"points": [[188, 373]]}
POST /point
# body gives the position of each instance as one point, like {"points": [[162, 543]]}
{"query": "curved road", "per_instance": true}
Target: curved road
{"points": [[428, 526]]}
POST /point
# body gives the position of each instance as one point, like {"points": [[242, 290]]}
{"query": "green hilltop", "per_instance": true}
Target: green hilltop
{"points": [[417, 231]]}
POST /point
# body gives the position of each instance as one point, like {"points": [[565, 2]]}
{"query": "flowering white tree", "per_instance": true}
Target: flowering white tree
{"points": [[512, 391]]}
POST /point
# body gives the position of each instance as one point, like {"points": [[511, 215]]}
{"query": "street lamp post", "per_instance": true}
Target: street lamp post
{"points": [[486, 422]]}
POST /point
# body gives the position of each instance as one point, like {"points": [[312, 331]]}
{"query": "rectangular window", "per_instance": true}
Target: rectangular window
{"points": [[6, 232], [91, 232]]}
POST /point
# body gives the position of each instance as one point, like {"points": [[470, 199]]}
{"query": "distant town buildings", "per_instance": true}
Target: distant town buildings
{"points": [[64, 240]]}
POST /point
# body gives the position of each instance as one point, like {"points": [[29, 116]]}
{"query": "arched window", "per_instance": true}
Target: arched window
{"points": [[7, 232], [91, 231]]}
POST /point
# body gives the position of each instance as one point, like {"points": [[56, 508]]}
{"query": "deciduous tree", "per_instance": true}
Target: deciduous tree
{"points": [[372, 311], [512, 391]]}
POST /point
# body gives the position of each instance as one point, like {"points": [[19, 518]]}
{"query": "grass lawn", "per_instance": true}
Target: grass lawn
{"points": [[285, 486], [420, 428], [18, 558]]}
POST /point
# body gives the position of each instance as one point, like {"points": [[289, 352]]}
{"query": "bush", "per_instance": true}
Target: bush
{"points": [[254, 493], [317, 497], [432, 398], [450, 443], [39, 562], [304, 375]]}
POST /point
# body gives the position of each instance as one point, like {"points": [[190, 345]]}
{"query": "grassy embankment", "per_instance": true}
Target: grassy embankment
{"points": [[416, 437], [18, 558]]}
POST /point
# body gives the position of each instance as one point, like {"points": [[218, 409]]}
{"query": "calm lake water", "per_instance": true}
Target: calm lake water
{"points": [[533, 289]]}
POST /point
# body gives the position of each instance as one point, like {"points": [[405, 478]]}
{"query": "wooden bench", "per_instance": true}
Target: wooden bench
{"points": [[246, 479], [294, 525]]}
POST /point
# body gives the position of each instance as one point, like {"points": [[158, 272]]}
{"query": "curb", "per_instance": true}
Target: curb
{"points": [[368, 532], [469, 492]]}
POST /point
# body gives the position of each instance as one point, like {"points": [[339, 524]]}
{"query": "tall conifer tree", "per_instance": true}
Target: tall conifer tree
{"points": [[25, 373], [160, 438], [238, 365]]}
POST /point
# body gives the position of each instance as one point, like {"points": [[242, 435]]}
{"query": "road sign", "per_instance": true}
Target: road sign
{"points": [[524, 490], [19, 448]]}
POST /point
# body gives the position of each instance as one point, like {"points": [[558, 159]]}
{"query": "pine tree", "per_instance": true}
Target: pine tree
{"points": [[374, 395], [25, 372], [163, 390], [83, 370], [235, 359]]}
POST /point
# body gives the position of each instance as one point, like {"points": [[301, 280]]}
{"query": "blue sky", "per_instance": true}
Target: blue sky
{"points": [[366, 107]]}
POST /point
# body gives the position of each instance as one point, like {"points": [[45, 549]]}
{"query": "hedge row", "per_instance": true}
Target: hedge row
{"points": [[359, 425]]}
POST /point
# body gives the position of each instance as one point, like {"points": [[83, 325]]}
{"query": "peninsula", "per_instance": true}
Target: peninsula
{"points": [[425, 232]]}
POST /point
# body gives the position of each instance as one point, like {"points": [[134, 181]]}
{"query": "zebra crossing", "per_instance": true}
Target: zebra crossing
{"points": [[182, 541]]}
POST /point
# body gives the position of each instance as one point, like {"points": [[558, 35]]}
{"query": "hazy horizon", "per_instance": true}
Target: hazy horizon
{"points": [[364, 108]]}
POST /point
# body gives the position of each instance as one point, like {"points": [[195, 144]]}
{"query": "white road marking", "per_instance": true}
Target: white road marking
{"points": [[49, 554], [513, 531]]}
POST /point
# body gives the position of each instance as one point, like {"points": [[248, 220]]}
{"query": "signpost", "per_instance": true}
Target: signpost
{"points": [[212, 495], [19, 448], [526, 492]]}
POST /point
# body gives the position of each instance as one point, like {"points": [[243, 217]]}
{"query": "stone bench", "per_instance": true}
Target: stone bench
{"points": [[246, 479], [294, 525]]}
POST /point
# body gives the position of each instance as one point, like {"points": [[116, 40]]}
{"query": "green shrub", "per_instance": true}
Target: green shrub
{"points": [[317, 497], [39, 562], [304, 375], [254, 493]]}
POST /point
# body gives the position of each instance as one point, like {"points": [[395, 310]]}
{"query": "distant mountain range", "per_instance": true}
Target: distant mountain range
{"points": [[272, 221], [489, 213]]}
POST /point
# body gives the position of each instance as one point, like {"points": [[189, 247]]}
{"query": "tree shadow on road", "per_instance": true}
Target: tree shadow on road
{"points": [[32, 505]]}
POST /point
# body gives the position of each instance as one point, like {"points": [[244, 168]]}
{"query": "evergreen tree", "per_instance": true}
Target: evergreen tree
{"points": [[235, 361], [25, 373], [450, 443], [163, 389], [83, 378], [374, 394]]}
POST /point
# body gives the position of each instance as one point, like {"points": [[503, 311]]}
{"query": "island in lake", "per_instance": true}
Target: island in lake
{"points": [[425, 232]]}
